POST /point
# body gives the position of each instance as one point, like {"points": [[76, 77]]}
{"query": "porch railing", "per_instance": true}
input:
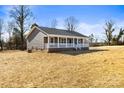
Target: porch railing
{"points": [[64, 45]]}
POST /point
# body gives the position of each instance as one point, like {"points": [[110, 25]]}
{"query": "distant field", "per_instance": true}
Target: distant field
{"points": [[99, 67]]}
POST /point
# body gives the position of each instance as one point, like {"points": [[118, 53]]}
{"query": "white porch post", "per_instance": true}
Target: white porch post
{"points": [[48, 43], [66, 42], [58, 42], [83, 42], [87, 43], [73, 42], [77, 41]]}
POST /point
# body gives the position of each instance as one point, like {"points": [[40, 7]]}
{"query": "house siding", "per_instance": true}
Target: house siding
{"points": [[35, 40], [38, 39]]}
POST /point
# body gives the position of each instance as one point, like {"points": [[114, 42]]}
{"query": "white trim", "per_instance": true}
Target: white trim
{"points": [[73, 42], [30, 32], [58, 41], [83, 42], [65, 36], [69, 45], [66, 41], [32, 29], [41, 30]]}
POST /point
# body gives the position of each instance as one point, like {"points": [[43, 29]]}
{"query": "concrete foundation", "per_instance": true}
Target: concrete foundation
{"points": [[66, 49]]}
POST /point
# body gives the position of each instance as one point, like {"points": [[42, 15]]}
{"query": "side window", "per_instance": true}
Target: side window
{"points": [[51, 40], [62, 40]]}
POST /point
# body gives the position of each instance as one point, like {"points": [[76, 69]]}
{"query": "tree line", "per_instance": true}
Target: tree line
{"points": [[20, 23], [110, 38], [19, 15]]}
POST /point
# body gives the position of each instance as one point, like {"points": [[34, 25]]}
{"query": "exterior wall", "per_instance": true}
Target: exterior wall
{"points": [[35, 40], [38, 40]]}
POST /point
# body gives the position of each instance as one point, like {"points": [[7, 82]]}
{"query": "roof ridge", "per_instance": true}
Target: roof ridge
{"points": [[57, 28], [51, 28]]}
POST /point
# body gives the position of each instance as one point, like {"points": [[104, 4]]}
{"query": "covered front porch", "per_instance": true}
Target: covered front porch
{"points": [[65, 42]]}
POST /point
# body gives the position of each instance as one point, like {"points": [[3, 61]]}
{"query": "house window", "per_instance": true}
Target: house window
{"points": [[51, 40], [62, 40], [82, 40], [69, 40]]}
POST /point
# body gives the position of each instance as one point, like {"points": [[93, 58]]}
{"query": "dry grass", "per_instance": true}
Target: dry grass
{"points": [[103, 68]]}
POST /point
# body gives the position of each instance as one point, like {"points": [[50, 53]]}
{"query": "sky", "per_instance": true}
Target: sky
{"points": [[91, 19]]}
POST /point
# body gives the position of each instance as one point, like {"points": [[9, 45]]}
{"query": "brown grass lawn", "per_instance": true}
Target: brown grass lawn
{"points": [[103, 67]]}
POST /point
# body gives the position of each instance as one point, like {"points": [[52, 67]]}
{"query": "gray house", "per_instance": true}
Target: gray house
{"points": [[52, 39]]}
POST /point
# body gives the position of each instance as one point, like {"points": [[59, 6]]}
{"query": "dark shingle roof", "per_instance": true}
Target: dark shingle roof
{"points": [[61, 32]]}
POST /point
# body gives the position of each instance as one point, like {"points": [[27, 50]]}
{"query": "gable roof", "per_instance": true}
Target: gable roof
{"points": [[55, 31]]}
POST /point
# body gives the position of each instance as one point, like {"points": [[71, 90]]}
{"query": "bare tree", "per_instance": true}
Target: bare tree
{"points": [[116, 38], [10, 26], [54, 23], [1, 27], [109, 29], [21, 15], [121, 32], [91, 38], [16, 38], [71, 23]]}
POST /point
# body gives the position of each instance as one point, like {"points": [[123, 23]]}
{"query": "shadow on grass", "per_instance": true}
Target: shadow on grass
{"points": [[78, 52]]}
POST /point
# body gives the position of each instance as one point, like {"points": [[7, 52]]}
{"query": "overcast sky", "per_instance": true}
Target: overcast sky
{"points": [[91, 18]]}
